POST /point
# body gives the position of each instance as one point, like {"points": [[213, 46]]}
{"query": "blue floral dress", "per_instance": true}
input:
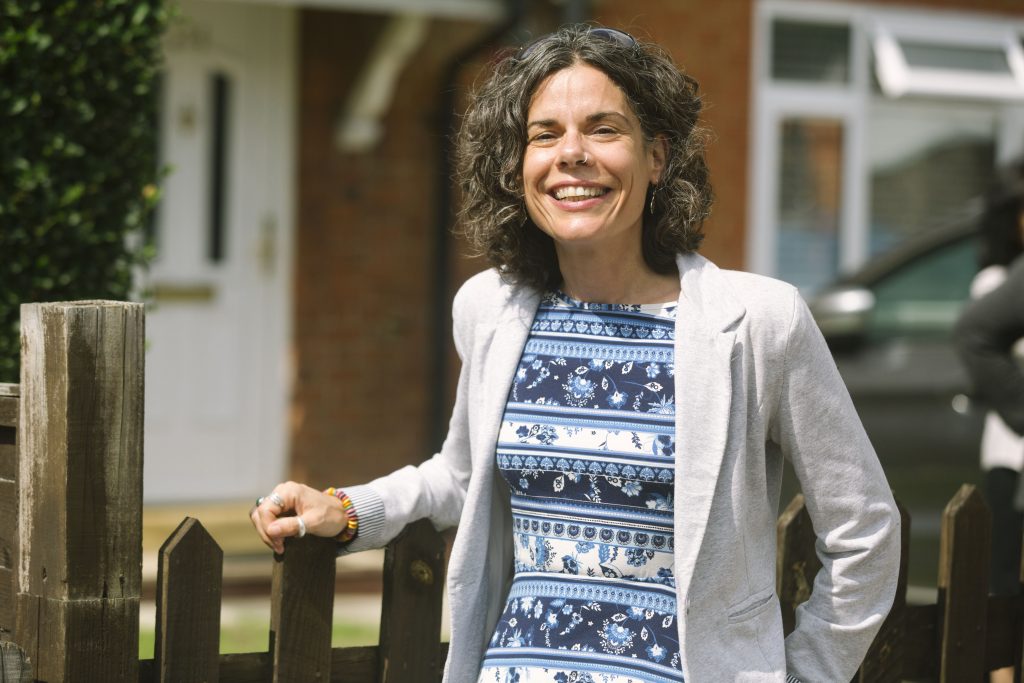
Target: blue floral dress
{"points": [[586, 447]]}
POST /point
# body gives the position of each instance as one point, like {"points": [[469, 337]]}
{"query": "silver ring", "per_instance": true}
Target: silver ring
{"points": [[275, 499], [586, 159], [259, 501], [302, 526]]}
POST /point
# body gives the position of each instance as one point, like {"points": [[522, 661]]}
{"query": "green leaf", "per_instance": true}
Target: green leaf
{"points": [[141, 12]]}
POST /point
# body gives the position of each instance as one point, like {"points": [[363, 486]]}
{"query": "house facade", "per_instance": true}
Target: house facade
{"points": [[299, 325]]}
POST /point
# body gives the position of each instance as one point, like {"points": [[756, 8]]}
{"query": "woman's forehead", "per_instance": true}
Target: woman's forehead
{"points": [[579, 86]]}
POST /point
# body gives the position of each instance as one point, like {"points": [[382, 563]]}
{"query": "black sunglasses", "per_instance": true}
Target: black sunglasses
{"points": [[620, 38]]}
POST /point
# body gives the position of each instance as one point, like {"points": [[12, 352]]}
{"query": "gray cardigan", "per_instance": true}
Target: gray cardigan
{"points": [[755, 383]]}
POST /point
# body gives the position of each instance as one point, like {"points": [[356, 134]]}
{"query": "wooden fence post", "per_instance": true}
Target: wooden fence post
{"points": [[14, 667], [8, 507], [410, 626], [301, 610], [80, 471], [884, 660], [189, 579], [796, 561], [963, 586]]}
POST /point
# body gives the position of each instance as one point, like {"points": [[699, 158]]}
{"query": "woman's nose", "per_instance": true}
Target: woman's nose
{"points": [[571, 152]]}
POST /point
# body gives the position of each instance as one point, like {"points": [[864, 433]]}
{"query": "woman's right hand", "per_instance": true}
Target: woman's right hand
{"points": [[277, 515]]}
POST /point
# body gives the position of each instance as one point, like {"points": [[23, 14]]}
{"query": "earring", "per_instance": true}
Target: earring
{"points": [[654, 193]]}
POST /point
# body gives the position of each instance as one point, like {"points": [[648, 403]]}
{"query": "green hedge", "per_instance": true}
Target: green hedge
{"points": [[78, 143]]}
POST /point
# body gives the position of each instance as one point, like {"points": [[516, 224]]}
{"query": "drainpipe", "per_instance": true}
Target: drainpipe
{"points": [[441, 306]]}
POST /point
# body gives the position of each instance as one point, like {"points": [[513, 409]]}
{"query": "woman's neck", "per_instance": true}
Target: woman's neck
{"points": [[611, 280]]}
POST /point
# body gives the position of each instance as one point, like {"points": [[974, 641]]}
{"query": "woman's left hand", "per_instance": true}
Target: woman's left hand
{"points": [[293, 509]]}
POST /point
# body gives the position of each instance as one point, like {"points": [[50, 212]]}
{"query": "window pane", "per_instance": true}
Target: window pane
{"points": [[810, 52], [928, 165], [220, 101], [809, 199], [958, 58]]}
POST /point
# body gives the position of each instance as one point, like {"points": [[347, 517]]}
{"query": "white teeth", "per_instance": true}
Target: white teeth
{"points": [[573, 192]]}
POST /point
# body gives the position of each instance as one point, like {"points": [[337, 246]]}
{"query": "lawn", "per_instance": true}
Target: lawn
{"points": [[245, 624]]}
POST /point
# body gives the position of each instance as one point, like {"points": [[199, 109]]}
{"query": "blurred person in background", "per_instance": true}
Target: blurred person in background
{"points": [[614, 457], [990, 339]]}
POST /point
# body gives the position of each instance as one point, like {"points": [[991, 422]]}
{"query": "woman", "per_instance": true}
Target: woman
{"points": [[624, 407]]}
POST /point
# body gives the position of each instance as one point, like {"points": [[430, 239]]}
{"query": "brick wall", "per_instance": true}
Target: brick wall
{"points": [[363, 258]]}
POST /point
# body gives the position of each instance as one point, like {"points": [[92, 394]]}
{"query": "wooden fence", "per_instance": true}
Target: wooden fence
{"points": [[71, 555]]}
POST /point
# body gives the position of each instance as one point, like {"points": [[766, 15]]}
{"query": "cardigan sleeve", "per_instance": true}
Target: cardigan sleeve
{"points": [[852, 510], [985, 335]]}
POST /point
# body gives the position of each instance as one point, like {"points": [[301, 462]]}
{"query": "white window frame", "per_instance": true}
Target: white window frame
{"points": [[898, 78], [776, 100]]}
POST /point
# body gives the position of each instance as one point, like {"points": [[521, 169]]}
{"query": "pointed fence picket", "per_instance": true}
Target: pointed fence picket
{"points": [[73, 605], [963, 586], [188, 605], [966, 633]]}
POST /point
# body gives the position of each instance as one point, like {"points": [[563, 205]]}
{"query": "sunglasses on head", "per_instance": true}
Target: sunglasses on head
{"points": [[620, 38]]}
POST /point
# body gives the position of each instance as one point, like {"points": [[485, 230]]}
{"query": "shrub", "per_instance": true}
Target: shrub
{"points": [[78, 168]]}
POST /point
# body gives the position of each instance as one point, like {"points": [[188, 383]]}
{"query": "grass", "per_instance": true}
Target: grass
{"points": [[253, 635]]}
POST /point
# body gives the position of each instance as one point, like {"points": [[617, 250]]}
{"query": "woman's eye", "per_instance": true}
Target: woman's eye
{"points": [[542, 137], [605, 130]]}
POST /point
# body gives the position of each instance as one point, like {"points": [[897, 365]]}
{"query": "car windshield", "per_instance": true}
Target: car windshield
{"points": [[924, 297]]}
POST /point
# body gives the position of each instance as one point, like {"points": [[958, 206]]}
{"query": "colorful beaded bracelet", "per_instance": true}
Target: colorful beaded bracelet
{"points": [[352, 528]]}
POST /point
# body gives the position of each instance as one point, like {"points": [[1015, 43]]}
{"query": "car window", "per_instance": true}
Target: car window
{"points": [[923, 297]]}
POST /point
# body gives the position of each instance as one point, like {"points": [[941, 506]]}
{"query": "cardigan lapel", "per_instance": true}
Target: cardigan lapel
{"points": [[509, 338], [705, 334]]}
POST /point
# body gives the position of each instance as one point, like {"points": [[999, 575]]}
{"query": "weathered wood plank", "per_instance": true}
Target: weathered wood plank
{"points": [[189, 577], [80, 640], [80, 484], [9, 407], [348, 665], [8, 601], [302, 602], [920, 655], [884, 660], [8, 556], [1002, 631], [963, 586], [410, 627], [9, 403], [14, 664], [920, 639], [796, 561]]}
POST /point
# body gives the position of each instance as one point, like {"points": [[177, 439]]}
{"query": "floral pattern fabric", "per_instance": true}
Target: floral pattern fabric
{"points": [[587, 448]]}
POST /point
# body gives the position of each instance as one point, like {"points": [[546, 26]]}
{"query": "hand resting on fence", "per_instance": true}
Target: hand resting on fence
{"points": [[293, 509]]}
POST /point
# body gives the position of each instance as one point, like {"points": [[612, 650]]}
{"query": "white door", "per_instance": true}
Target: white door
{"points": [[218, 319]]}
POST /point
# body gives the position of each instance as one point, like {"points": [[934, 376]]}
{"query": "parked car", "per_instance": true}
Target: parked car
{"points": [[889, 328]]}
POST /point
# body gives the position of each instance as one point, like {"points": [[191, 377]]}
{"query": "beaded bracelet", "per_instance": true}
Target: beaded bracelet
{"points": [[352, 527]]}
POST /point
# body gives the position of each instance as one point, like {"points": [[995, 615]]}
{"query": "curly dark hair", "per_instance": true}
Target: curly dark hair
{"points": [[492, 142]]}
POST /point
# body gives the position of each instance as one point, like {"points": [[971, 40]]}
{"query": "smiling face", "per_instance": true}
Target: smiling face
{"points": [[587, 165]]}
